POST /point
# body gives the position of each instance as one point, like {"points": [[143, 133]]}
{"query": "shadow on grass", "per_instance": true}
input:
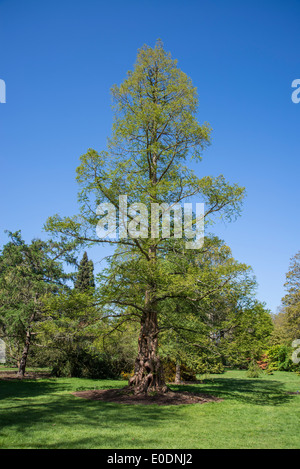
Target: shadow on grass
{"points": [[250, 391], [47, 417], [54, 418], [34, 388], [30, 388]]}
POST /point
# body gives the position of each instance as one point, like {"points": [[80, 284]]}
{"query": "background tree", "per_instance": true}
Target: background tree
{"points": [[27, 273], [155, 131], [77, 340], [246, 333], [287, 321], [85, 275], [291, 301]]}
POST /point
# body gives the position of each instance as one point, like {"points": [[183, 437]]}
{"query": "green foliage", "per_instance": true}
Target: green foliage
{"points": [[246, 333], [28, 273], [210, 366], [85, 275], [80, 363], [67, 334], [187, 374], [155, 132], [75, 338], [287, 322], [279, 358], [254, 371]]}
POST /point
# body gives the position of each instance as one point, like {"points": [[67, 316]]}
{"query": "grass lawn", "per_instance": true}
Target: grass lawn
{"points": [[255, 413]]}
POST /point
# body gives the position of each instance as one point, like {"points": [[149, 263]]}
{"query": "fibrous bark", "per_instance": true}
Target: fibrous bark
{"points": [[148, 374]]}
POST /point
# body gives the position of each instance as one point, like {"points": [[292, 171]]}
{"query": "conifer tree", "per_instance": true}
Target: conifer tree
{"points": [[85, 275], [155, 132]]}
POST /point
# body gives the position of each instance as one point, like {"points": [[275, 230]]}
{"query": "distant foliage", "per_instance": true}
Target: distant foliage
{"points": [[85, 275], [287, 322]]}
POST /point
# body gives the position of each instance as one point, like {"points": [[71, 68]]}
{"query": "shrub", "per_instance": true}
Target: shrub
{"points": [[84, 364], [279, 358], [253, 369], [187, 374], [125, 375]]}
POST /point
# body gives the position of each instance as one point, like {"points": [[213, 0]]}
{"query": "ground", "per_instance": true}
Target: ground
{"points": [[126, 396], [253, 413]]}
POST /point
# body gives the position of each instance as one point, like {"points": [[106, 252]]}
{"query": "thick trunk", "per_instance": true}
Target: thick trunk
{"points": [[148, 371], [22, 366], [178, 372], [148, 374]]}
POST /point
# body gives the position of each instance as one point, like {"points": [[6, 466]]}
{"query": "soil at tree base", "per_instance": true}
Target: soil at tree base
{"points": [[126, 396], [12, 375]]}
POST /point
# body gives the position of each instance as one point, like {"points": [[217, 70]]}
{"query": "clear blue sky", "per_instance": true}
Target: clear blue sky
{"points": [[59, 60]]}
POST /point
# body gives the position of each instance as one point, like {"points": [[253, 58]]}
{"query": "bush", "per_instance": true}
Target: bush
{"points": [[125, 375], [186, 373], [84, 364], [279, 358], [254, 370]]}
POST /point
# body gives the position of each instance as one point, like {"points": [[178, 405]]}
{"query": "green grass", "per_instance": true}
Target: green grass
{"points": [[255, 413]]}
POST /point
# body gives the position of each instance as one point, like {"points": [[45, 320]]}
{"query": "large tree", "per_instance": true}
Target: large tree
{"points": [[155, 131]]}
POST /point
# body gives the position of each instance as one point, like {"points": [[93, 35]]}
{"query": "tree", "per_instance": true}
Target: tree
{"points": [[27, 273], [155, 131], [246, 333], [287, 321], [68, 332], [85, 275]]}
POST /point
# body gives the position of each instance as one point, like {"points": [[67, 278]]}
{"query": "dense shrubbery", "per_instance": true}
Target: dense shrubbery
{"points": [[82, 364], [280, 358]]}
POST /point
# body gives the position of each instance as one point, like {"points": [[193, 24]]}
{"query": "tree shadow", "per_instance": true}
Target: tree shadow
{"points": [[251, 391], [51, 408], [19, 389], [48, 408]]}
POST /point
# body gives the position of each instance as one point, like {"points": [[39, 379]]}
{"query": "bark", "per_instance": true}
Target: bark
{"points": [[148, 372], [149, 375], [23, 361], [178, 372]]}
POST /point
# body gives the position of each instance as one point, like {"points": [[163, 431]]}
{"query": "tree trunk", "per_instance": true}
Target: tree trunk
{"points": [[178, 372], [148, 371], [22, 366], [148, 374]]}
